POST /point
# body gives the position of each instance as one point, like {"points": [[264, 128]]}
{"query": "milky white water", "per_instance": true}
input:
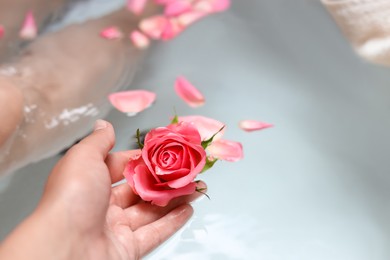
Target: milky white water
{"points": [[316, 186]]}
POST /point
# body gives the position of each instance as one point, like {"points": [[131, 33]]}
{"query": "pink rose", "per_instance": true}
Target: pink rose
{"points": [[166, 167]]}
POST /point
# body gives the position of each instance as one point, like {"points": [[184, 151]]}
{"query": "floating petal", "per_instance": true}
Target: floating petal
{"points": [[253, 125], [175, 8], [164, 2], [220, 5], [204, 6], [1, 31], [29, 28], [136, 6], [172, 29], [226, 150], [139, 39], [191, 17], [111, 33], [206, 126], [132, 101], [154, 26], [189, 93]]}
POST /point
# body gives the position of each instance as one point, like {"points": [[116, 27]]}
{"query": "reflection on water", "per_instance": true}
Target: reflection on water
{"points": [[68, 116], [8, 71], [214, 236]]}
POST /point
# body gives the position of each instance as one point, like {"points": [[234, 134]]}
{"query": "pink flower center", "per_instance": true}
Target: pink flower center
{"points": [[168, 158]]}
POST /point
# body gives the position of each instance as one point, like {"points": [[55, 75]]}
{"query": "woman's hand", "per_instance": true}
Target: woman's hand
{"points": [[81, 216]]}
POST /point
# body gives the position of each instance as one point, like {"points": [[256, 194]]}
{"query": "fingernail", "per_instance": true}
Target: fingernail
{"points": [[100, 124], [201, 185]]}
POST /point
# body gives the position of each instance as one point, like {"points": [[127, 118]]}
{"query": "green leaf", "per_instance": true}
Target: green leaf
{"points": [[138, 136], [209, 164], [175, 120], [207, 142]]}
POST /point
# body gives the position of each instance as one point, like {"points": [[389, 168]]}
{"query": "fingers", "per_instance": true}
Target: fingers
{"points": [[123, 196], [151, 236], [99, 142], [84, 160], [116, 163], [82, 172], [144, 213]]}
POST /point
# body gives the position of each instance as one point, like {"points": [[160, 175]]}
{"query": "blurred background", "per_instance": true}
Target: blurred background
{"points": [[315, 186]]}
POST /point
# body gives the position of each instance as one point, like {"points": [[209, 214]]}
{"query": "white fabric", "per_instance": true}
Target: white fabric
{"points": [[366, 23]]}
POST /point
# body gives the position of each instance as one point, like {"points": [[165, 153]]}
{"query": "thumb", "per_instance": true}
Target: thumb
{"points": [[74, 173], [100, 141]]}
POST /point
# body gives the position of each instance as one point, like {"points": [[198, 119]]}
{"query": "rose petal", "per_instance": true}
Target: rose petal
{"points": [[134, 160], [137, 164], [204, 6], [169, 175], [134, 154], [189, 18], [29, 28], [220, 5], [164, 2], [139, 39], [145, 188], [167, 157], [207, 127], [253, 125], [175, 8], [1, 31], [226, 150], [136, 6], [188, 131], [184, 133], [111, 33], [186, 137], [132, 101], [154, 26], [191, 95], [180, 182], [172, 29]]}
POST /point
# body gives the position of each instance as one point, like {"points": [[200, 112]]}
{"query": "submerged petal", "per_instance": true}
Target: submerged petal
{"points": [[204, 6], [189, 93], [1, 31], [132, 101], [136, 6], [172, 29], [29, 28], [164, 2], [154, 26], [226, 150], [206, 126], [220, 5], [139, 40], [175, 8], [190, 17], [253, 125], [111, 33]]}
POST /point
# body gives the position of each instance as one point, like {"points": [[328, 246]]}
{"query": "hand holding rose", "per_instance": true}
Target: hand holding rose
{"points": [[81, 216]]}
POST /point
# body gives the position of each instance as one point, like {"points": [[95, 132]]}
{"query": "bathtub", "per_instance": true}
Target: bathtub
{"points": [[315, 186]]}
